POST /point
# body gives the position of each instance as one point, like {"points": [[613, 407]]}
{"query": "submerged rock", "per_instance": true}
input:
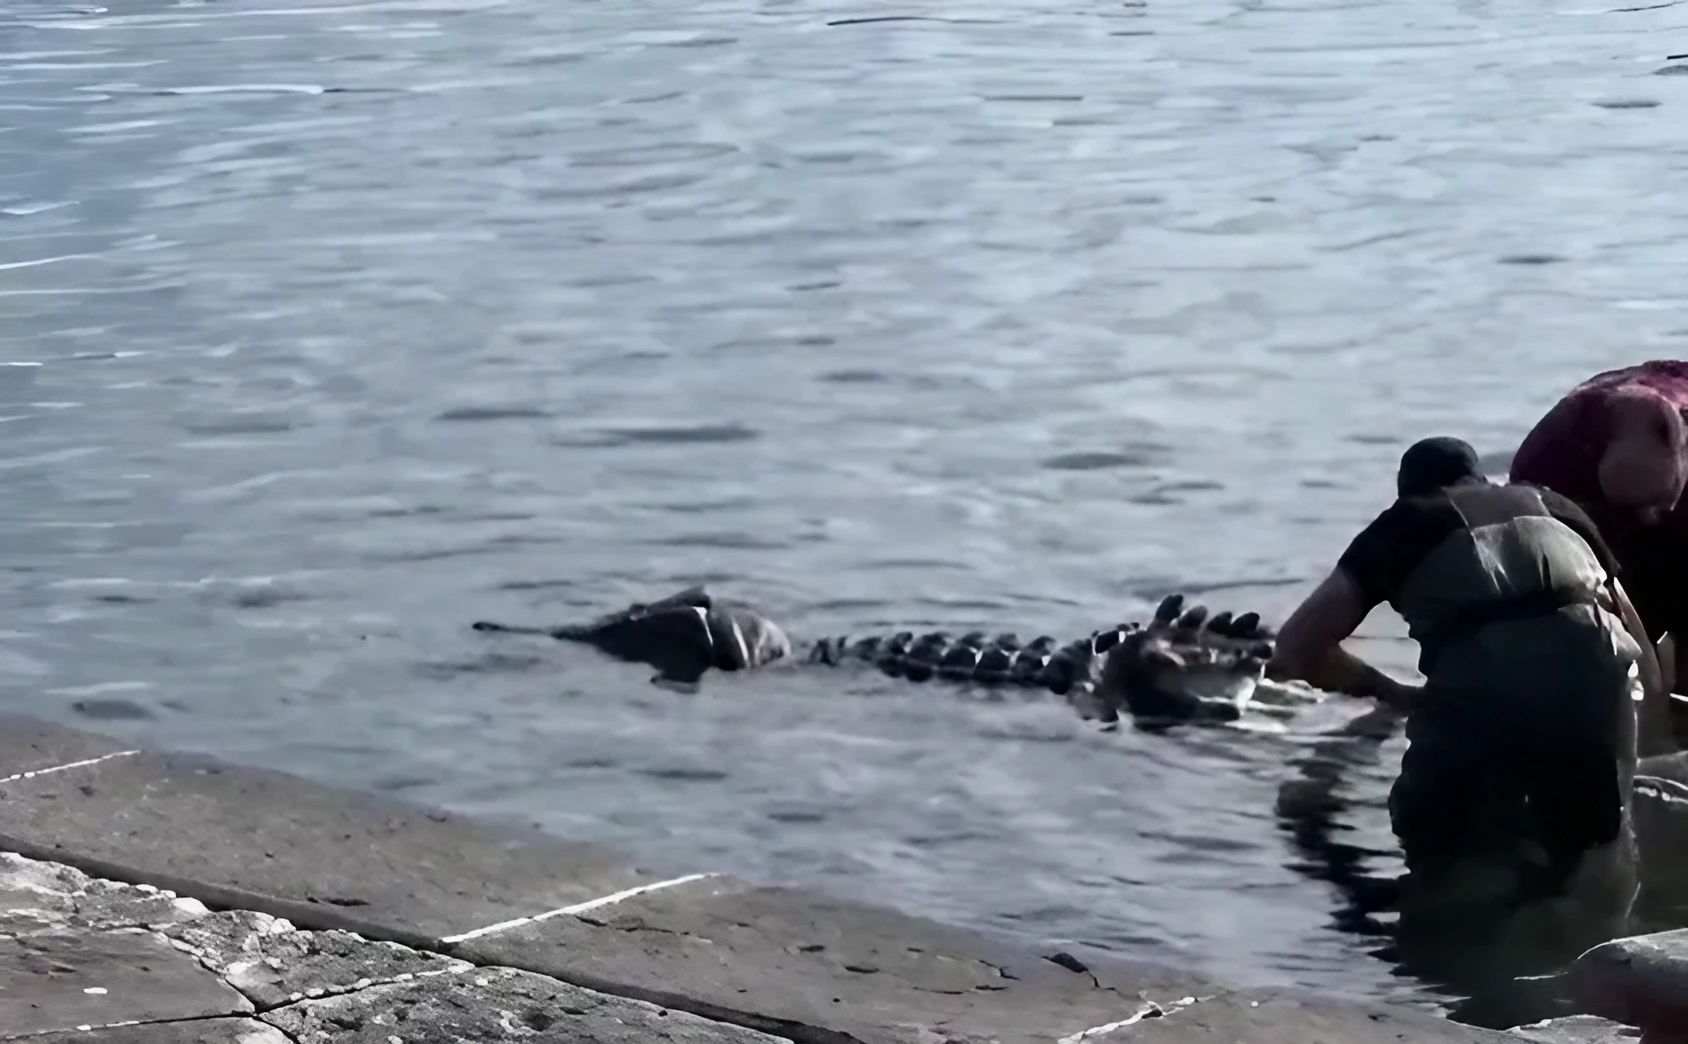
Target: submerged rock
{"points": [[1578, 1029], [1640, 981]]}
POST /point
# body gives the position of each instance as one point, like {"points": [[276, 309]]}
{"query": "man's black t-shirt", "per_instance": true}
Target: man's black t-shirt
{"points": [[1386, 552]]}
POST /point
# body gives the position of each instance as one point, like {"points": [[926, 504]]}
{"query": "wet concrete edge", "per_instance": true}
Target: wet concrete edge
{"points": [[115, 867]]}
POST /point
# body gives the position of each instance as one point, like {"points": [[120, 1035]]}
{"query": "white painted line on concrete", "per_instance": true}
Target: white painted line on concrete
{"points": [[1152, 1011], [31, 774], [629, 893], [577, 908], [103, 1025], [1109, 1027]]}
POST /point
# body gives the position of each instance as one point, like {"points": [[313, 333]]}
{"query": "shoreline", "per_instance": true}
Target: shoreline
{"points": [[527, 911]]}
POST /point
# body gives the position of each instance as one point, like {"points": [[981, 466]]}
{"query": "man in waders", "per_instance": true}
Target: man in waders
{"points": [[1522, 739]]}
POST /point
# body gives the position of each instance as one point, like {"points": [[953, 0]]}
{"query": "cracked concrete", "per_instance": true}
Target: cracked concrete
{"points": [[61, 980], [271, 963], [491, 1004], [1286, 1017], [350, 919], [775, 963], [111, 963], [818, 970], [36, 895], [251, 839], [100, 962], [1150, 1011]]}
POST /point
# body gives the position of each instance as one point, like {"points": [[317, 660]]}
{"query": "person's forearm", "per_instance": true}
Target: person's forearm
{"points": [[1349, 674], [1341, 671]]}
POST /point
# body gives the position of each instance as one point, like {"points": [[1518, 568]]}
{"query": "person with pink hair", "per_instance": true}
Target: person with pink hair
{"points": [[1617, 445]]}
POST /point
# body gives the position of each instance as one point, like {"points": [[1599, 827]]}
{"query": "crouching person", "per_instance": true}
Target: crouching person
{"points": [[1515, 786]]}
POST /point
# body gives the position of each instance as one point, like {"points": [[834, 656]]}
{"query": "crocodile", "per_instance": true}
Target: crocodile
{"points": [[1181, 665]]}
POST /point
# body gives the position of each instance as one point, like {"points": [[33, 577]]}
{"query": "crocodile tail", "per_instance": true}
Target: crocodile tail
{"points": [[974, 656], [1069, 670], [843, 649], [489, 627]]}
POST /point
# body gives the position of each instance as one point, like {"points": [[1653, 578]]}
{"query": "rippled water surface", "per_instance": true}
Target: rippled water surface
{"points": [[332, 326]]}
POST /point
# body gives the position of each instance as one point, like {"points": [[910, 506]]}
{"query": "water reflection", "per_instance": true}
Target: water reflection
{"points": [[1496, 967]]}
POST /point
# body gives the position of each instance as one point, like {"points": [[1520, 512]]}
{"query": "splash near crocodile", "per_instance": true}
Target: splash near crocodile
{"points": [[1183, 664]]}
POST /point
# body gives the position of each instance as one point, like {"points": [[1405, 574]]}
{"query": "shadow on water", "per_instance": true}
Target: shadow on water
{"points": [[1494, 969]]}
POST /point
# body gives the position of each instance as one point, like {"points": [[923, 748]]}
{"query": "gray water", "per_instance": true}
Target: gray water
{"points": [[332, 327]]}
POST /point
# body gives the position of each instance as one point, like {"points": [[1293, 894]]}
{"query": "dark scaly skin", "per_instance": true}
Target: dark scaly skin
{"points": [[1180, 666], [1137, 667], [1185, 666]]}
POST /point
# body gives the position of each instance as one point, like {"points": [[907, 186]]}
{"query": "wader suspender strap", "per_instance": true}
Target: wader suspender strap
{"points": [[1488, 505]]}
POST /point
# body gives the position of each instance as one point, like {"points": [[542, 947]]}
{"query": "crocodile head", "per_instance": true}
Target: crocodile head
{"points": [[1182, 666], [685, 634]]}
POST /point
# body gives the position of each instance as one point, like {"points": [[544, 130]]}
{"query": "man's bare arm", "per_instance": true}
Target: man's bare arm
{"points": [[1309, 645]]}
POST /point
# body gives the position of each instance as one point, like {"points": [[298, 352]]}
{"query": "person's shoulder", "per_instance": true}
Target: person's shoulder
{"points": [[1569, 513], [1400, 510], [1555, 502], [1671, 369], [1666, 378], [1408, 518], [1631, 374], [1434, 503], [1381, 556]]}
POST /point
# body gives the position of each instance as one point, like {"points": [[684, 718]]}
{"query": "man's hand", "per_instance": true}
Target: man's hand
{"points": [[1339, 670], [1397, 695]]}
